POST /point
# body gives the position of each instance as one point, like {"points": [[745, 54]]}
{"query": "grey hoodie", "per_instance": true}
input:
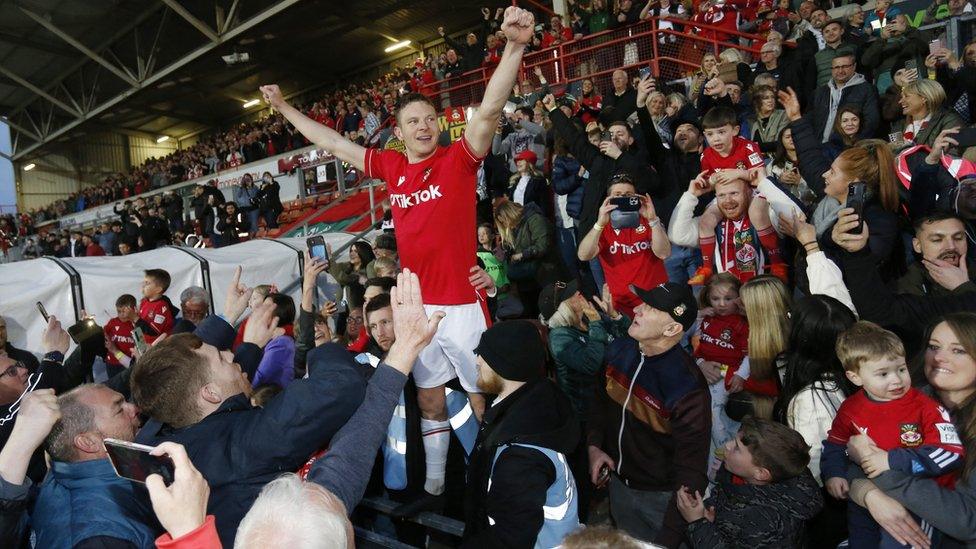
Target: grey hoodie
{"points": [[835, 95]]}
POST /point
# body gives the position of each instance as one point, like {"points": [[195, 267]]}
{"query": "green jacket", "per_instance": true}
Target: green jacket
{"points": [[916, 281], [579, 356], [940, 120]]}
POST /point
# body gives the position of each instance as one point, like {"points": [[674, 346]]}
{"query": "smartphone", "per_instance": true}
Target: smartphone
{"points": [[316, 247], [605, 136], [911, 64], [627, 214], [855, 199], [133, 461], [966, 137], [935, 46], [644, 72], [140, 340], [42, 310]]}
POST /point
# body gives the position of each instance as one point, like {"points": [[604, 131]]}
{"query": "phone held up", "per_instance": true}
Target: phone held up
{"points": [[627, 213], [316, 247], [134, 462], [855, 199]]}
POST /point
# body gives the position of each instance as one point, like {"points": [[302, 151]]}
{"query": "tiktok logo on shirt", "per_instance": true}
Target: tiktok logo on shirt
{"points": [[625, 249], [419, 197]]}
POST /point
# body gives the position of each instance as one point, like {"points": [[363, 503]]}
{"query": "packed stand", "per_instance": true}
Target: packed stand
{"points": [[736, 311]]}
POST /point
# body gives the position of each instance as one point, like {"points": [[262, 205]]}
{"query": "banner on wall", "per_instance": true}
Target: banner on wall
{"points": [[307, 159]]}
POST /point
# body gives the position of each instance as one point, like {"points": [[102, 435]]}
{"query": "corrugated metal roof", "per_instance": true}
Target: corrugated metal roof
{"points": [[312, 43]]}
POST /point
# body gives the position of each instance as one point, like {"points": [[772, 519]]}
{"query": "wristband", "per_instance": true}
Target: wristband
{"points": [[805, 244], [656, 222], [119, 355], [54, 356], [598, 227]]}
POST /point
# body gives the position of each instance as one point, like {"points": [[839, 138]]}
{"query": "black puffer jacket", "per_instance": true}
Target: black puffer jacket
{"points": [[755, 516]]}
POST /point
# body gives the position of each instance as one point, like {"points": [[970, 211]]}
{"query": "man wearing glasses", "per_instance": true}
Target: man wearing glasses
{"points": [[845, 87], [7, 349], [18, 377]]}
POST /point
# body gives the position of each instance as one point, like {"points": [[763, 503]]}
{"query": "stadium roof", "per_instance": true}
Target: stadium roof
{"points": [[155, 67]]}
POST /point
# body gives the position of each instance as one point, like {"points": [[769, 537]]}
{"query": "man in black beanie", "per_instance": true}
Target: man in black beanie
{"points": [[520, 491]]}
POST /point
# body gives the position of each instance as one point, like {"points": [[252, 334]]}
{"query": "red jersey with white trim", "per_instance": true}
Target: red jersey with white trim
{"points": [[158, 316], [119, 333], [627, 258], [745, 155], [910, 422], [433, 204], [723, 339]]}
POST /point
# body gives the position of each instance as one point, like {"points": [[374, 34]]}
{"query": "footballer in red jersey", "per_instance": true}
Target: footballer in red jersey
{"points": [[432, 196]]}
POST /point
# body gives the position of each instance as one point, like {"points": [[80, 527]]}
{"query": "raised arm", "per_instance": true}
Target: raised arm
{"points": [[321, 135], [518, 26]]}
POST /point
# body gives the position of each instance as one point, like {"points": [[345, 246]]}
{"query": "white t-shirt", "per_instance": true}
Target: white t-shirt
{"points": [[519, 196]]}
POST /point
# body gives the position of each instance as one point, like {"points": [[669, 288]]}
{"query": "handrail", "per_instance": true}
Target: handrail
{"points": [[594, 42]]}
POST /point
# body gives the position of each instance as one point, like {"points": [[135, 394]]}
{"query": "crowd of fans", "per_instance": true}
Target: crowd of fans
{"points": [[737, 310]]}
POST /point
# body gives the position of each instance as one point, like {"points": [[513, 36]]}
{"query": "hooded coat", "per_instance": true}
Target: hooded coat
{"points": [[538, 414], [754, 516]]}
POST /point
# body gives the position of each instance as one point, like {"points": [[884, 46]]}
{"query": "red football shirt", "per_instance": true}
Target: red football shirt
{"points": [[120, 334], [433, 204], [911, 421], [745, 155], [723, 339], [627, 258], [159, 316]]}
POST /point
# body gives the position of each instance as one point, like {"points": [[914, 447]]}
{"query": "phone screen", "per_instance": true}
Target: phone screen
{"points": [[644, 72], [133, 461], [317, 248], [140, 340]]}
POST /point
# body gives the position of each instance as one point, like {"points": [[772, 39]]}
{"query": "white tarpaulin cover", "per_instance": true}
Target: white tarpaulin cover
{"points": [[104, 279]]}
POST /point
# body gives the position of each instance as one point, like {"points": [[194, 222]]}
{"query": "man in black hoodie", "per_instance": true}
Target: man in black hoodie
{"points": [[520, 489]]}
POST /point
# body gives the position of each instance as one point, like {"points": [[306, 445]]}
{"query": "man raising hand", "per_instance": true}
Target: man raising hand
{"points": [[432, 196]]}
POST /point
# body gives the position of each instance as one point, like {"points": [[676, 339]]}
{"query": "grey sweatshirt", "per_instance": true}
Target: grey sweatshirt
{"points": [[345, 469]]}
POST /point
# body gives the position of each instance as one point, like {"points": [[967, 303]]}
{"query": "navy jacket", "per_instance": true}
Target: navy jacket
{"points": [[239, 448]]}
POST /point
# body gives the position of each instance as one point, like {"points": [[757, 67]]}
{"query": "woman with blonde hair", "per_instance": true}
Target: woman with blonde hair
{"points": [[921, 102], [527, 241], [527, 185], [767, 304]]}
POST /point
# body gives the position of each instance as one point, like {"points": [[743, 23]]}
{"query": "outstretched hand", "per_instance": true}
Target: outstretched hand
{"points": [[272, 95], [791, 103], [237, 297], [413, 329], [518, 25]]}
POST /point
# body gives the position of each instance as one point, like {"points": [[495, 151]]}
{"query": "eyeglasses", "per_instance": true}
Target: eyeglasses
{"points": [[12, 369], [847, 66], [354, 320]]}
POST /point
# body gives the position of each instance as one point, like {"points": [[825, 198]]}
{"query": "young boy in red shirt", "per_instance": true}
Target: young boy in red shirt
{"points": [[157, 315], [118, 335], [726, 158], [914, 433]]}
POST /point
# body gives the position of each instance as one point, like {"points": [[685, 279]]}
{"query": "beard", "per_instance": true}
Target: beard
{"points": [[491, 383]]}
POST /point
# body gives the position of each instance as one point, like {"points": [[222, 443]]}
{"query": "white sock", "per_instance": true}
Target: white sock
{"points": [[437, 436]]}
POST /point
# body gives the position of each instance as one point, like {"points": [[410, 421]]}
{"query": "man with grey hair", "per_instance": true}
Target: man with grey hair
{"points": [[83, 502], [194, 306], [288, 510]]}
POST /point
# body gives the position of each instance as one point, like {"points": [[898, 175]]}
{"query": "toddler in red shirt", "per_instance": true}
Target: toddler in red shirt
{"points": [[914, 434], [726, 158], [721, 347]]}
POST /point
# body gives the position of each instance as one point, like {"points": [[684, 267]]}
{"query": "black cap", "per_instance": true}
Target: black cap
{"points": [[675, 299], [554, 294], [688, 114], [514, 350]]}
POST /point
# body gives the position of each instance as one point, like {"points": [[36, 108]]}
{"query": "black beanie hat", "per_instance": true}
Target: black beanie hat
{"points": [[514, 350]]}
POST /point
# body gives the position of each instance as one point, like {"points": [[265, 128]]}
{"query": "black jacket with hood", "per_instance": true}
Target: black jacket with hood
{"points": [[539, 414]]}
